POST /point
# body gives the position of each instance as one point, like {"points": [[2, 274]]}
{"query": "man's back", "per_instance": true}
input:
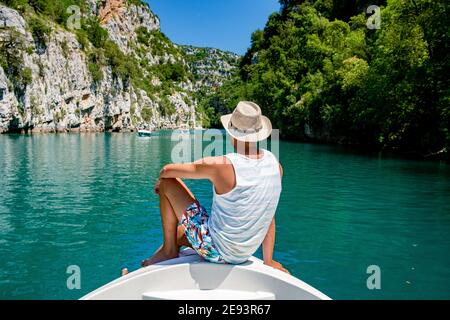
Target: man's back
{"points": [[241, 216]]}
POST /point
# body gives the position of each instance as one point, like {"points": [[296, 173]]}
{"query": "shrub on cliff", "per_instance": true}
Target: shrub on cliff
{"points": [[123, 66], [94, 32], [39, 29], [146, 114], [170, 71], [166, 107], [143, 35], [20, 5], [94, 66], [137, 2], [56, 10], [12, 47]]}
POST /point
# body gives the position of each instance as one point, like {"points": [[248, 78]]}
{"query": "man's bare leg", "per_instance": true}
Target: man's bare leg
{"points": [[169, 249], [174, 198], [182, 240]]}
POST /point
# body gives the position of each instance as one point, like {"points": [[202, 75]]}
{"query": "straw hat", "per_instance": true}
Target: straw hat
{"points": [[247, 123]]}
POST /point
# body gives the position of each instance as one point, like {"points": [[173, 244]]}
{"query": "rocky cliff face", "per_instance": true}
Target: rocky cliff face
{"points": [[58, 82], [210, 66]]}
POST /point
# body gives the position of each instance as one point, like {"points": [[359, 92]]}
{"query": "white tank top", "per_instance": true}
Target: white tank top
{"points": [[240, 218]]}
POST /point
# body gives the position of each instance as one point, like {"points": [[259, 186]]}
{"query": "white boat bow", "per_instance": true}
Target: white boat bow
{"points": [[189, 277]]}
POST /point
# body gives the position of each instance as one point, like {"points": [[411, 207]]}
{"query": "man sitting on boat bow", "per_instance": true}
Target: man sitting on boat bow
{"points": [[246, 191]]}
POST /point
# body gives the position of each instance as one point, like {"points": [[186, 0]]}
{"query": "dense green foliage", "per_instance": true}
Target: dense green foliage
{"points": [[143, 35], [39, 29], [138, 2], [94, 32], [161, 45], [146, 114], [165, 106], [94, 66], [56, 10], [320, 73], [11, 61], [222, 101], [170, 71]]}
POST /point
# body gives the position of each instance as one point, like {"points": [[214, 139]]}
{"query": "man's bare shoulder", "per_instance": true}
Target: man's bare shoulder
{"points": [[222, 173], [216, 161]]}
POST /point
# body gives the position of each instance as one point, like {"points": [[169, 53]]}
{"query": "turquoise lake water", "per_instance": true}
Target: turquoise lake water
{"points": [[87, 200]]}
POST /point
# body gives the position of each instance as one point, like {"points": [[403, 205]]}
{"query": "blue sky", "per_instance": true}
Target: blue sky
{"points": [[223, 24]]}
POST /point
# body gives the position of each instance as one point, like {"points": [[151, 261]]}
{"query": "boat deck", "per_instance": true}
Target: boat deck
{"points": [[189, 277]]}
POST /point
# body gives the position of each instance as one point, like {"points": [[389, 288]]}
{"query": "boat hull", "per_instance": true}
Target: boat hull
{"points": [[191, 278]]}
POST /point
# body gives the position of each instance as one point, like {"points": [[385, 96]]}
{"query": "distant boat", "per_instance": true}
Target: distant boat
{"points": [[189, 277], [183, 129], [145, 133]]}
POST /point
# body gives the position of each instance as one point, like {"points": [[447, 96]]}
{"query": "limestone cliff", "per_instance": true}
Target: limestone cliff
{"points": [[56, 78], [210, 66]]}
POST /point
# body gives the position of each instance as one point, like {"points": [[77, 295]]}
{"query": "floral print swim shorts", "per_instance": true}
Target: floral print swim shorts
{"points": [[196, 228]]}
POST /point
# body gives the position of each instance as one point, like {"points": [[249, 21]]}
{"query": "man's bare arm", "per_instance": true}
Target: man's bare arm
{"points": [[201, 169], [269, 243], [267, 247]]}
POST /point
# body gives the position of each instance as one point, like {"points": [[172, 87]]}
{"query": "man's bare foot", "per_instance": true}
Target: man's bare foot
{"points": [[124, 272], [160, 256]]}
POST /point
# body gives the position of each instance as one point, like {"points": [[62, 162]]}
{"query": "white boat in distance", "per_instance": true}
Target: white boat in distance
{"points": [[145, 133], [189, 277]]}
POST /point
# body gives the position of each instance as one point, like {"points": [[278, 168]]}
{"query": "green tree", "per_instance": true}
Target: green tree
{"points": [[319, 73]]}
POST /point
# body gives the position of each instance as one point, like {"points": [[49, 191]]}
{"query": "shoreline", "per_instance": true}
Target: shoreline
{"points": [[440, 156], [86, 130]]}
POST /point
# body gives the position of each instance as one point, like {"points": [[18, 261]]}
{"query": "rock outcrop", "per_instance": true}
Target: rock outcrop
{"points": [[52, 87], [210, 66]]}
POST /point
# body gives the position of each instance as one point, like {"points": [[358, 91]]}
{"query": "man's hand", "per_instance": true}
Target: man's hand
{"points": [[156, 188], [276, 265]]}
